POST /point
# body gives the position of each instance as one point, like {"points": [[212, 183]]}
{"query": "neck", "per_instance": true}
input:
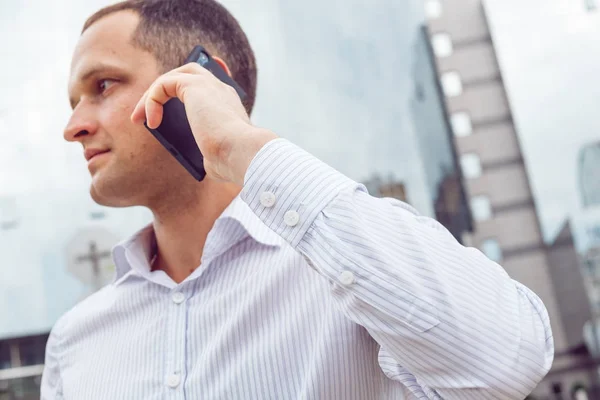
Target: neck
{"points": [[182, 223]]}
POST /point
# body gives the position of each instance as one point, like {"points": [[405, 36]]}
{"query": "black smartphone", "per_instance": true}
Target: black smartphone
{"points": [[174, 132]]}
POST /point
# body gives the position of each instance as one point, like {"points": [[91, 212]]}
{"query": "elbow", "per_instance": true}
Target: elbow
{"points": [[518, 377], [515, 372], [537, 358], [530, 367], [526, 358], [533, 344], [536, 339]]}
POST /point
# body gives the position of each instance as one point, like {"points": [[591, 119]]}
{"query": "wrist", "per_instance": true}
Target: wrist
{"points": [[247, 148]]}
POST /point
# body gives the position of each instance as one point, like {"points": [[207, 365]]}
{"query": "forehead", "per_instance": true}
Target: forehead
{"points": [[107, 43]]}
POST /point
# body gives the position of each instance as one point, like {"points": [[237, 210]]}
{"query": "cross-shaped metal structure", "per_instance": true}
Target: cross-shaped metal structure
{"points": [[94, 257]]}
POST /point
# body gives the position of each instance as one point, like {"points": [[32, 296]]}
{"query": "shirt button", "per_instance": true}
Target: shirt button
{"points": [[173, 381], [291, 218], [267, 199], [347, 278], [178, 297]]}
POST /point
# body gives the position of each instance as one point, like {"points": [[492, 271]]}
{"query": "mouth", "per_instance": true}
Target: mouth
{"points": [[91, 153]]}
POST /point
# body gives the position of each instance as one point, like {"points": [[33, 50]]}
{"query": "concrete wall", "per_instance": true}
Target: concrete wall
{"points": [[493, 143], [475, 62], [494, 181]]}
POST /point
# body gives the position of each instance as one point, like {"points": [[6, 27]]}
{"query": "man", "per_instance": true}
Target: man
{"points": [[276, 277]]}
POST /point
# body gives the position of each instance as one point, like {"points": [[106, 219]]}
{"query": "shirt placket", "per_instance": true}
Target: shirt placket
{"points": [[176, 332]]}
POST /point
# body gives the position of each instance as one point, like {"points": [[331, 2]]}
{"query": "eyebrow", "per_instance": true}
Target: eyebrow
{"points": [[96, 69]]}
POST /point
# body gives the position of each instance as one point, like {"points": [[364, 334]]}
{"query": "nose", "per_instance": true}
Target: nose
{"points": [[80, 125]]}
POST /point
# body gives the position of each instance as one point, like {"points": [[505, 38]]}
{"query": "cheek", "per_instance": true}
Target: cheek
{"points": [[115, 116], [129, 139], [142, 146], [133, 142], [123, 107]]}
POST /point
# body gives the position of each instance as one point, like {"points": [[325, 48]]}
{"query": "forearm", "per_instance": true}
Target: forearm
{"points": [[444, 312]]}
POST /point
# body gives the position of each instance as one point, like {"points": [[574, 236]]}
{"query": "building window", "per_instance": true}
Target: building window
{"points": [[452, 84], [433, 9], [32, 350], [442, 45], [5, 361], [491, 248], [481, 208], [461, 124], [471, 165]]}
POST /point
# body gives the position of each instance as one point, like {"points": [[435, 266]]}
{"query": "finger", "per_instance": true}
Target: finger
{"points": [[164, 88], [161, 91], [138, 115], [192, 68], [154, 109]]}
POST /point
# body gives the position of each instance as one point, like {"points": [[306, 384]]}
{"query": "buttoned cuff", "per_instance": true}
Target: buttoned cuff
{"points": [[287, 188]]}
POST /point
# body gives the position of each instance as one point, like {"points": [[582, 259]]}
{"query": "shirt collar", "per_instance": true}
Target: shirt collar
{"points": [[135, 253]]}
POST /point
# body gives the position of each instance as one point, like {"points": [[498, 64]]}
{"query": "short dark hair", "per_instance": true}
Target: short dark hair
{"points": [[169, 29]]}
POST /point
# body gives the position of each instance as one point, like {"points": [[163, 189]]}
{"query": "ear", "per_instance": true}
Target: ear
{"points": [[223, 65]]}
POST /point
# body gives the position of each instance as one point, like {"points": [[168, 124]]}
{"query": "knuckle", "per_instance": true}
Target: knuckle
{"points": [[155, 86], [231, 90], [192, 67], [197, 67]]}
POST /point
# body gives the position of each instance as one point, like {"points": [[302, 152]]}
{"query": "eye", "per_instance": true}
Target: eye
{"points": [[103, 84]]}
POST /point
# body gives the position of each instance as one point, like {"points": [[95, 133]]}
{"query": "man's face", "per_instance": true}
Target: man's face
{"points": [[108, 77]]}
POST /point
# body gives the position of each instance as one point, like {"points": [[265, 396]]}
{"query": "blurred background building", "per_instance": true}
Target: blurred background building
{"points": [[415, 104], [591, 5], [591, 262], [506, 223], [21, 366], [376, 115], [589, 169]]}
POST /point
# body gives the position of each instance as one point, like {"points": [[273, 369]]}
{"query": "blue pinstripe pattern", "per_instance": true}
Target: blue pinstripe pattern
{"points": [[363, 298]]}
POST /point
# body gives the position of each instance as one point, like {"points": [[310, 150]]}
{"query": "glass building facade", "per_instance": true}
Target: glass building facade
{"points": [[353, 84], [586, 218], [589, 174]]}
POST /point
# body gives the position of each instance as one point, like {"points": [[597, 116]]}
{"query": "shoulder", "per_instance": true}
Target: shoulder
{"points": [[81, 311], [61, 336]]}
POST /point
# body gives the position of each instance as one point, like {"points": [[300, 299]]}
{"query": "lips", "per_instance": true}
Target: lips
{"points": [[90, 153]]}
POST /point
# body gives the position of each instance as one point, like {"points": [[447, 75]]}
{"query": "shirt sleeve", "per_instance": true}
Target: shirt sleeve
{"points": [[51, 386], [451, 323]]}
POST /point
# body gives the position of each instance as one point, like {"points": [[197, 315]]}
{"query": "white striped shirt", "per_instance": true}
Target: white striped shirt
{"points": [[358, 298]]}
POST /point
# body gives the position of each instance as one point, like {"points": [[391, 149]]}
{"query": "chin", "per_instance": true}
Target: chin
{"points": [[111, 192], [109, 201]]}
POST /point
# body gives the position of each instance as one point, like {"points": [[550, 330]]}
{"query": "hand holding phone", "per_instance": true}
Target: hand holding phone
{"points": [[175, 133]]}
